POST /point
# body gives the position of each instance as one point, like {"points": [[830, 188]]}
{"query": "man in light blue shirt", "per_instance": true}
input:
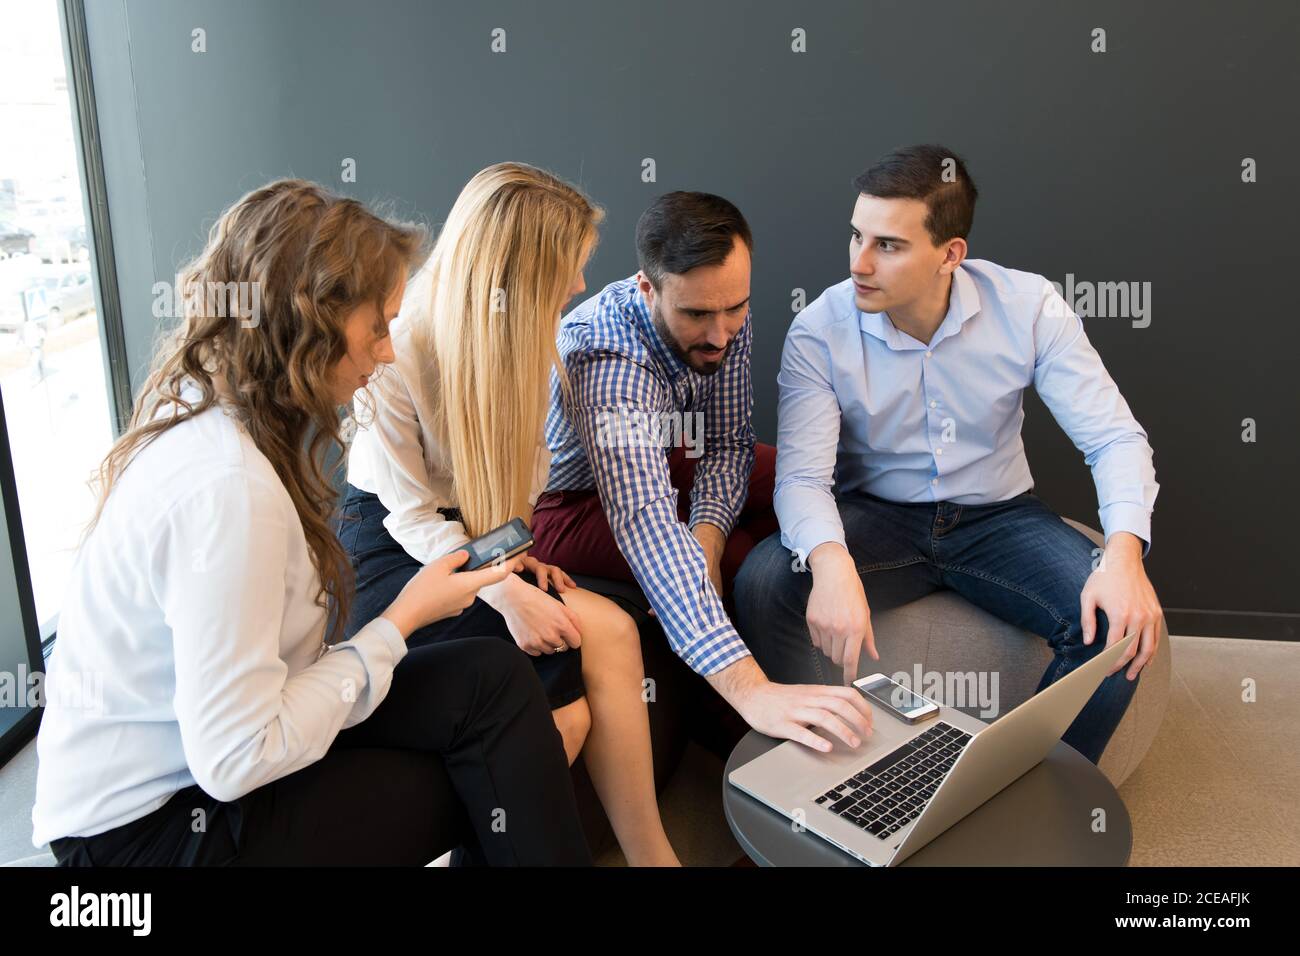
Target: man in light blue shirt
{"points": [[900, 465]]}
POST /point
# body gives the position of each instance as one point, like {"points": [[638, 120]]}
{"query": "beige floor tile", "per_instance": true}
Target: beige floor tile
{"points": [[1199, 796], [1286, 805], [1201, 829], [1270, 755], [1216, 668], [1187, 756]]}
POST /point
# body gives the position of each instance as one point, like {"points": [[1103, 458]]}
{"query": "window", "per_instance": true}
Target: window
{"points": [[59, 408]]}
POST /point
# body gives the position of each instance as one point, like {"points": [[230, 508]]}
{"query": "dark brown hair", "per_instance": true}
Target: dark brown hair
{"points": [[917, 172], [682, 230]]}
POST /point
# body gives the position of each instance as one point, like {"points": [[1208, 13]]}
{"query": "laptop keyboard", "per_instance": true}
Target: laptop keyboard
{"points": [[895, 789]]}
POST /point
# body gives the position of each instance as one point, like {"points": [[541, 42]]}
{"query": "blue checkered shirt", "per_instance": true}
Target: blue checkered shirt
{"points": [[620, 370]]}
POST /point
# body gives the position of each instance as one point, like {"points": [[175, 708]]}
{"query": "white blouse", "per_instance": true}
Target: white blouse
{"points": [[190, 647], [396, 456]]}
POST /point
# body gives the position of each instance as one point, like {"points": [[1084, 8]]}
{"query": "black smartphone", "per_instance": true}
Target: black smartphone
{"points": [[500, 544]]}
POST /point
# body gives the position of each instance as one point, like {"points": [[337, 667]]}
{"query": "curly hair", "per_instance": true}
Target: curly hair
{"points": [[313, 259]]}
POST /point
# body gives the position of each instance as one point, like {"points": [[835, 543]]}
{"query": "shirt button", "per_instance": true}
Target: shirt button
{"points": [[938, 451], [928, 353], [934, 481], [934, 404]]}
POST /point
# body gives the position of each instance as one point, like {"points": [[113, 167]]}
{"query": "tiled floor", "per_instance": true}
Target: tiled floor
{"points": [[1220, 785]]}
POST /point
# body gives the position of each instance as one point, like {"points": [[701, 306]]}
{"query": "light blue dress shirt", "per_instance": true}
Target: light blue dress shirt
{"points": [[867, 408]]}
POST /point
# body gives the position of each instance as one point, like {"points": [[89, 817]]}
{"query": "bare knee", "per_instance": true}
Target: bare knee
{"points": [[620, 627], [574, 723], [606, 625]]}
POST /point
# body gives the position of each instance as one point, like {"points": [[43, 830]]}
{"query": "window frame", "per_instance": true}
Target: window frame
{"points": [[13, 739]]}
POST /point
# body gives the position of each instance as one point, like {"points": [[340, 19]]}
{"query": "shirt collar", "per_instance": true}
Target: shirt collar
{"points": [[963, 302], [658, 347]]}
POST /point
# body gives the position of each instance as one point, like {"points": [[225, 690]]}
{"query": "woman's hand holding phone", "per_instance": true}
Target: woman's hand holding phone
{"points": [[437, 591]]}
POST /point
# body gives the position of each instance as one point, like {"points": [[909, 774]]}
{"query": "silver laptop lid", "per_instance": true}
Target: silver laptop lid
{"points": [[1004, 751]]}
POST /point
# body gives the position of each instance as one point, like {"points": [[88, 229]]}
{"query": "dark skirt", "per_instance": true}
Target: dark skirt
{"points": [[383, 568]]}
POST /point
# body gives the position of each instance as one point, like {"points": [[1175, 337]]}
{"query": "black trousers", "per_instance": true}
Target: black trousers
{"points": [[462, 752]]}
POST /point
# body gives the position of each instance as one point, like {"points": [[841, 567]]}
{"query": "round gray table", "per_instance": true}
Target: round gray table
{"points": [[1043, 819]]}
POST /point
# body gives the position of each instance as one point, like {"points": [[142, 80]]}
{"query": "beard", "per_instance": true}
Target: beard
{"points": [[692, 361]]}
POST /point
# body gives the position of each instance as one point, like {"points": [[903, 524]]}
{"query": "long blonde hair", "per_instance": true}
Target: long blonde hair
{"points": [[484, 323], [315, 258]]}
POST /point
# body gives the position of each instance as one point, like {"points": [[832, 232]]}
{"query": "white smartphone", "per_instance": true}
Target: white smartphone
{"points": [[894, 697]]}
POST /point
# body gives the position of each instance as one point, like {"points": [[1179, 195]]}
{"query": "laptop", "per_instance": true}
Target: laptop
{"points": [[908, 783]]}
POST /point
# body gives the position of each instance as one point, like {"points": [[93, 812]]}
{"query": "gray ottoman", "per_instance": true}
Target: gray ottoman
{"points": [[944, 634]]}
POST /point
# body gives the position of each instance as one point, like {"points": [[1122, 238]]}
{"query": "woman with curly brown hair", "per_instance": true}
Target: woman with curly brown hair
{"points": [[230, 728]]}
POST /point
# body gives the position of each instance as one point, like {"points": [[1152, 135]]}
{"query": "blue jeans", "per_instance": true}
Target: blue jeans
{"points": [[1015, 559]]}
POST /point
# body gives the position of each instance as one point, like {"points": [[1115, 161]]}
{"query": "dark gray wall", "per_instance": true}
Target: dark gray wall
{"points": [[1115, 166]]}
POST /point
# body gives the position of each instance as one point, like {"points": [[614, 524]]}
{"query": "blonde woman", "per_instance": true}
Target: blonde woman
{"points": [[227, 731], [450, 447]]}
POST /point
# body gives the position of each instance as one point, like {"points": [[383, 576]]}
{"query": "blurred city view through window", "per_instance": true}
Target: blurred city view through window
{"points": [[51, 360]]}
